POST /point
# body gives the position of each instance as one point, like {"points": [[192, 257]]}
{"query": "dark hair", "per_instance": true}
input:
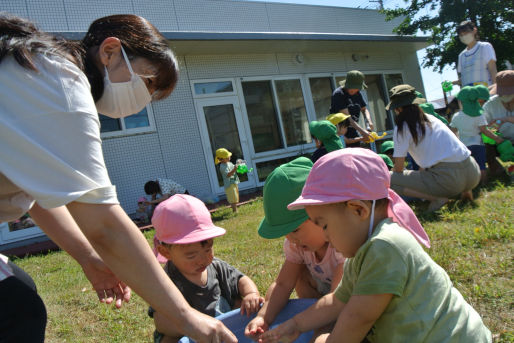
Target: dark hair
{"points": [[139, 38], [466, 25], [344, 123], [152, 187], [22, 39], [203, 243], [415, 119]]}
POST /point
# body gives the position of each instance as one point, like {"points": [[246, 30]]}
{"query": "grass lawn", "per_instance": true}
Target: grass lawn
{"points": [[473, 242]]}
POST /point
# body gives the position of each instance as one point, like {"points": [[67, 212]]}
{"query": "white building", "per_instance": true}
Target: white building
{"points": [[252, 76]]}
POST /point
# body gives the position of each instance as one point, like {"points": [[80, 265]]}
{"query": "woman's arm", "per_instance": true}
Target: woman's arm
{"points": [[399, 164], [358, 316], [364, 133], [159, 200], [367, 115], [125, 250], [59, 225], [491, 66]]}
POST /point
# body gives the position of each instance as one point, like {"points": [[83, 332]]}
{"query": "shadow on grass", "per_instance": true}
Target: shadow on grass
{"points": [[456, 204], [222, 214]]}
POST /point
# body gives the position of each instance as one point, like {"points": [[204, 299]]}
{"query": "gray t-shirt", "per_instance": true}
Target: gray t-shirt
{"points": [[222, 281]]}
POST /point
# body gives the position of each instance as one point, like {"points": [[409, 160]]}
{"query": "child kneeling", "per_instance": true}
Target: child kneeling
{"points": [[391, 291], [312, 266], [183, 240]]}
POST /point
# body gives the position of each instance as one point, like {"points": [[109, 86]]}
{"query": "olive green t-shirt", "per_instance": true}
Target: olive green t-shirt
{"points": [[425, 306]]}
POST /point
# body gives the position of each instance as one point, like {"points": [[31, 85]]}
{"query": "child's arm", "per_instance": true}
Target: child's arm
{"points": [[323, 312], [276, 298], [232, 172], [399, 164], [126, 252], [483, 129], [353, 140], [250, 294], [358, 316], [337, 276]]}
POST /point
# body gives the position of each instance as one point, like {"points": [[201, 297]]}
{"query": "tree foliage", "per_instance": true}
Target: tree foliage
{"points": [[440, 18]]}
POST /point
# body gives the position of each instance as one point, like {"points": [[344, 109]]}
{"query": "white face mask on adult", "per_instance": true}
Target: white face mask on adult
{"points": [[121, 99], [467, 38], [506, 98]]}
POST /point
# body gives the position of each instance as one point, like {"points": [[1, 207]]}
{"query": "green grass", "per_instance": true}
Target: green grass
{"points": [[473, 242]]}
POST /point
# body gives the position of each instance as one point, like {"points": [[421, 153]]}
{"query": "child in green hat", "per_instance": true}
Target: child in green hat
{"points": [[312, 267], [324, 134], [470, 121]]}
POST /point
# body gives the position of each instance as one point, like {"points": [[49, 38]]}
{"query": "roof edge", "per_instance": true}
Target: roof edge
{"points": [[212, 35]]}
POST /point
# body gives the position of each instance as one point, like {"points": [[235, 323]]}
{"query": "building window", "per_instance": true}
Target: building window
{"points": [[213, 87], [293, 112], [262, 116], [321, 90], [136, 123]]}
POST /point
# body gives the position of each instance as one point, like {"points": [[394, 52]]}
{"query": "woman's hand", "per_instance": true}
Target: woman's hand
{"points": [[107, 286]]}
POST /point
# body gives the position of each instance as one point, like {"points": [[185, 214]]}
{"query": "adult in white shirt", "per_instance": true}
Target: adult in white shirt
{"points": [[499, 112], [51, 160], [446, 166], [477, 62]]}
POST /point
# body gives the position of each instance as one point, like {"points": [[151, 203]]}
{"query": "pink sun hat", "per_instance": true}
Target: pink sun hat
{"points": [[182, 219], [360, 174], [142, 199]]}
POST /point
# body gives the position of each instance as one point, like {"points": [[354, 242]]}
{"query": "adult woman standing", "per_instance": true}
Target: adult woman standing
{"points": [[447, 168], [51, 160], [477, 62]]}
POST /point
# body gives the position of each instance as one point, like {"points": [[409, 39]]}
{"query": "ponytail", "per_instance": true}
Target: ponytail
{"points": [[22, 39]]}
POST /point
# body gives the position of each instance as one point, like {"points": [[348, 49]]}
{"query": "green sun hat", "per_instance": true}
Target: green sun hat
{"points": [[354, 80], [403, 95], [387, 160], [386, 146], [283, 186], [326, 132], [421, 96], [469, 97]]}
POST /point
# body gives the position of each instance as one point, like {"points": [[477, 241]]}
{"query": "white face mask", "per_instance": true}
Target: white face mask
{"points": [[467, 38], [122, 99], [506, 98]]}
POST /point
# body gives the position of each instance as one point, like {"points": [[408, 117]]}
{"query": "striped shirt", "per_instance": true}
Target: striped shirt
{"points": [[472, 64]]}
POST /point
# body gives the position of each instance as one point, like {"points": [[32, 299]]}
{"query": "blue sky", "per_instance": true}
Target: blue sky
{"points": [[431, 80]]}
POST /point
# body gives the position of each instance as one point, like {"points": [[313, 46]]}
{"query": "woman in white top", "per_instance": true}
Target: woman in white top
{"points": [[51, 160], [477, 62], [446, 166]]}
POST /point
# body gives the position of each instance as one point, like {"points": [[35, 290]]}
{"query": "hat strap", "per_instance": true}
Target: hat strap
{"points": [[371, 219]]}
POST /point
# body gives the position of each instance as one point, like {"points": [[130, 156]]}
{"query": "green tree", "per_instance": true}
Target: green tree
{"points": [[439, 18]]}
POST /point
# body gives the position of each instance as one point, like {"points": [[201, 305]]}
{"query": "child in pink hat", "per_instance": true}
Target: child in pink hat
{"points": [[391, 291], [183, 239]]}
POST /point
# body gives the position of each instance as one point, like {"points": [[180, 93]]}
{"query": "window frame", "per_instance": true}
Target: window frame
{"points": [[286, 150], [211, 95], [134, 131]]}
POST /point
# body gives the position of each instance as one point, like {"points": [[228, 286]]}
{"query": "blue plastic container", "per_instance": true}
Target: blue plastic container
{"points": [[237, 323]]}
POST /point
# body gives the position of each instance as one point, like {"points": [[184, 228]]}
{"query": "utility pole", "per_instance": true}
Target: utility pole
{"points": [[380, 3]]}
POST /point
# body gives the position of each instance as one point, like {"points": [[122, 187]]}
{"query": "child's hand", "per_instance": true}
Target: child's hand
{"points": [[256, 327], [251, 303], [284, 333]]}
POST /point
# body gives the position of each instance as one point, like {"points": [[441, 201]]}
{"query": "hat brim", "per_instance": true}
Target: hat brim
{"points": [[302, 201], [266, 230], [404, 102], [353, 86]]}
